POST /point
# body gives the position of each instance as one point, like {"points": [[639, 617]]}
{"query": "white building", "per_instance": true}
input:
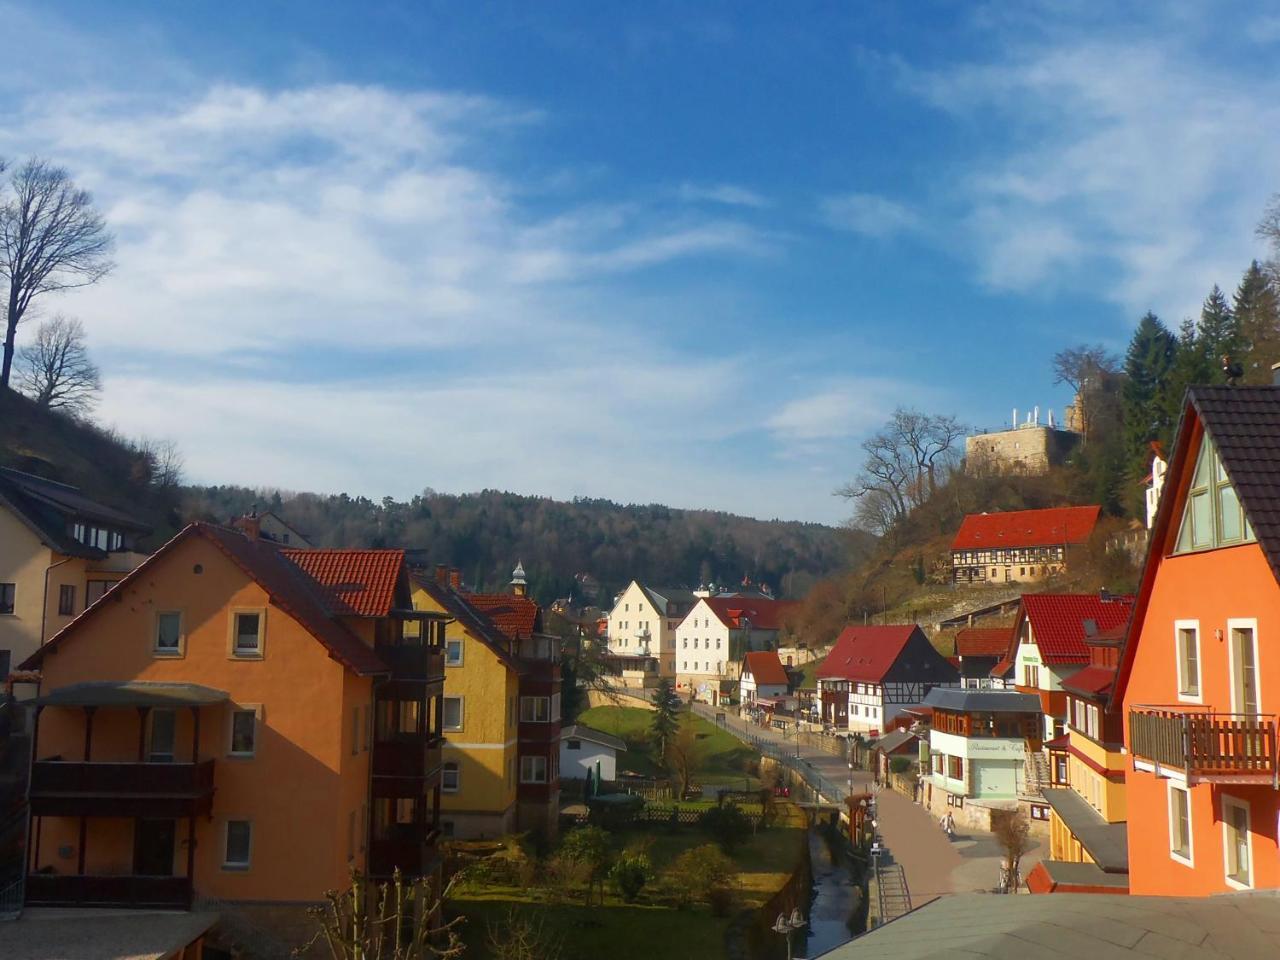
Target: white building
{"points": [[584, 749], [762, 677], [642, 629], [711, 641]]}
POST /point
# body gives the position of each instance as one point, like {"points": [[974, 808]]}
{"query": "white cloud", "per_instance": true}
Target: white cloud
{"points": [[837, 411], [868, 214], [723, 193]]}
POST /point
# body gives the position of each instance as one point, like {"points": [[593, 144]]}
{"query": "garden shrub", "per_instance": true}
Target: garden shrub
{"points": [[727, 825], [698, 874], [630, 873], [899, 764]]}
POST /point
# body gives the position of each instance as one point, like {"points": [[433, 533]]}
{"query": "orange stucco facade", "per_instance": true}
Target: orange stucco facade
{"points": [[305, 789], [1209, 588]]}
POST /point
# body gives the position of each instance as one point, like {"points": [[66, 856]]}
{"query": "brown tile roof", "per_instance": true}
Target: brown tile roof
{"points": [[983, 641], [517, 617], [356, 583], [288, 586], [765, 667], [761, 614]]}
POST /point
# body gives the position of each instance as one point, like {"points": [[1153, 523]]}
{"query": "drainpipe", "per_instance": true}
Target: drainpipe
{"points": [[44, 609]]}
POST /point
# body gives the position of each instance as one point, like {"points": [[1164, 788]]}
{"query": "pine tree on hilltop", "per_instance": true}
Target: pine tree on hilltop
{"points": [[1219, 331], [1193, 363], [1148, 364], [1257, 311]]}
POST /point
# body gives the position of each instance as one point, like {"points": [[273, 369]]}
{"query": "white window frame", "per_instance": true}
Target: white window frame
{"points": [[156, 649], [234, 652], [1190, 859], [461, 714], [1230, 801], [236, 865], [447, 642], [1178, 627], [546, 768], [1242, 623], [457, 776], [533, 701], [256, 710]]}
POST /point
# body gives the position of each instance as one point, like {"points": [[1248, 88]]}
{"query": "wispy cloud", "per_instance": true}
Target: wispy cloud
{"points": [[727, 194], [868, 214]]}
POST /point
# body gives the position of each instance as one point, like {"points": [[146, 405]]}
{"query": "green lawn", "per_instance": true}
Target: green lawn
{"points": [[725, 759]]}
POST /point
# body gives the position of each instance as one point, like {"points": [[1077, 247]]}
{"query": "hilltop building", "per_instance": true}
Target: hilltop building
{"points": [[1019, 546], [59, 552], [237, 722], [1028, 449]]}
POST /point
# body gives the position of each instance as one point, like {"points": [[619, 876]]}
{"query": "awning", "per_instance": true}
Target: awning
{"points": [[1107, 843], [133, 693]]}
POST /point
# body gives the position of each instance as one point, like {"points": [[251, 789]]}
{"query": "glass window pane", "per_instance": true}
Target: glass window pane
{"points": [[163, 724], [247, 631], [238, 842], [1229, 518], [1201, 520], [167, 631], [1202, 474], [243, 724]]}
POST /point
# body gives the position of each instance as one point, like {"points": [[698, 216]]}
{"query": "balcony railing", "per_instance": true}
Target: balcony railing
{"points": [[406, 757], [411, 661], [1209, 746], [51, 890], [67, 788]]}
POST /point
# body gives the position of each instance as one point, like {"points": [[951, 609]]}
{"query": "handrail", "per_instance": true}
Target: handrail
{"points": [[1205, 742]]}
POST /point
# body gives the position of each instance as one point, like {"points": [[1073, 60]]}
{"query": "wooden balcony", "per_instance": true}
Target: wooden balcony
{"points": [[412, 661], [61, 788], [1206, 746], [406, 766], [54, 890], [414, 857]]}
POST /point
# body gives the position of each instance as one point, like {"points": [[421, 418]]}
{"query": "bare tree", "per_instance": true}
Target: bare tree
{"points": [[1013, 834], [902, 468], [685, 752], [1084, 369], [55, 369], [51, 239]]}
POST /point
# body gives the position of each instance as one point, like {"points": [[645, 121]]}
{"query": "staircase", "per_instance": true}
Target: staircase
{"points": [[1037, 775], [892, 895]]}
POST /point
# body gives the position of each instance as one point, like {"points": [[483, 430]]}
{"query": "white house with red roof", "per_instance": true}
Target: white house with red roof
{"points": [[874, 672], [716, 634], [1049, 644], [1019, 546], [763, 677]]}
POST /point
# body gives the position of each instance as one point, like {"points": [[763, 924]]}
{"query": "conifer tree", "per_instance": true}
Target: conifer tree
{"points": [[1194, 363], [1148, 364], [1257, 311], [1219, 331]]}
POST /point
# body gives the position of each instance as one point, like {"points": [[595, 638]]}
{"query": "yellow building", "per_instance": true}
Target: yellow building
{"points": [[1088, 838], [501, 710], [59, 552]]}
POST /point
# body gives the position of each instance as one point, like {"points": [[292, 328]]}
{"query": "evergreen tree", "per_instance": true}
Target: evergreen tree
{"points": [[664, 720], [1219, 332], [1257, 312], [1194, 363], [1148, 364]]}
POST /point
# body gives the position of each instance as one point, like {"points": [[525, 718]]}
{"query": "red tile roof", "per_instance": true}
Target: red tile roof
{"points": [[765, 667], [983, 641], [287, 585], [1026, 528], [356, 583], [762, 614], [1092, 681], [1002, 669], [517, 617], [1058, 622], [865, 654]]}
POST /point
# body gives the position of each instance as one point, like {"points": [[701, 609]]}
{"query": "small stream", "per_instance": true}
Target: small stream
{"points": [[834, 897]]}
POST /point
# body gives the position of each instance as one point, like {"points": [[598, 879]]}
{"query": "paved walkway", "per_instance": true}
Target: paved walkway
{"points": [[933, 864]]}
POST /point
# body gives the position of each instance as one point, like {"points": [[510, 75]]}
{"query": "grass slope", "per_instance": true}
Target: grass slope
{"points": [[725, 757]]}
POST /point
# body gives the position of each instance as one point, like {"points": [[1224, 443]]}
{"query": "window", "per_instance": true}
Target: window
{"points": [[685, 644], [955, 768], [1212, 516], [939, 759], [533, 769], [535, 709], [450, 778], [66, 600], [1187, 635], [168, 639], [1039, 812], [1180, 824], [1243, 658], [239, 841], [8, 593], [244, 732], [573, 744], [453, 713], [93, 589], [246, 633], [453, 653], [1235, 842], [1031, 675], [163, 734]]}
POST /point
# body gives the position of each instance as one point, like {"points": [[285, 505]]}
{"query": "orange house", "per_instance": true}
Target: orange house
{"points": [[239, 722], [1199, 677]]}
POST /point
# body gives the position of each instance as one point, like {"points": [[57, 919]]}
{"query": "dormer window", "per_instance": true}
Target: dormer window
{"points": [[1212, 516]]}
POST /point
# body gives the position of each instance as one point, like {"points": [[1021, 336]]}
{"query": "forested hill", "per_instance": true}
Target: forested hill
{"points": [[485, 533]]}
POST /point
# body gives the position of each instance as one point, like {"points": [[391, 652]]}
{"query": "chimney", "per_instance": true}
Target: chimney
{"points": [[455, 578], [250, 525], [442, 574], [1275, 374]]}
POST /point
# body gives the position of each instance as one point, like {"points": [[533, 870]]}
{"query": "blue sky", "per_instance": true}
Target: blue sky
{"points": [[670, 252]]}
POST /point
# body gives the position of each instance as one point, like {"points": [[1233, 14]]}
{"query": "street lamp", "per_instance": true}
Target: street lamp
{"points": [[784, 926]]}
